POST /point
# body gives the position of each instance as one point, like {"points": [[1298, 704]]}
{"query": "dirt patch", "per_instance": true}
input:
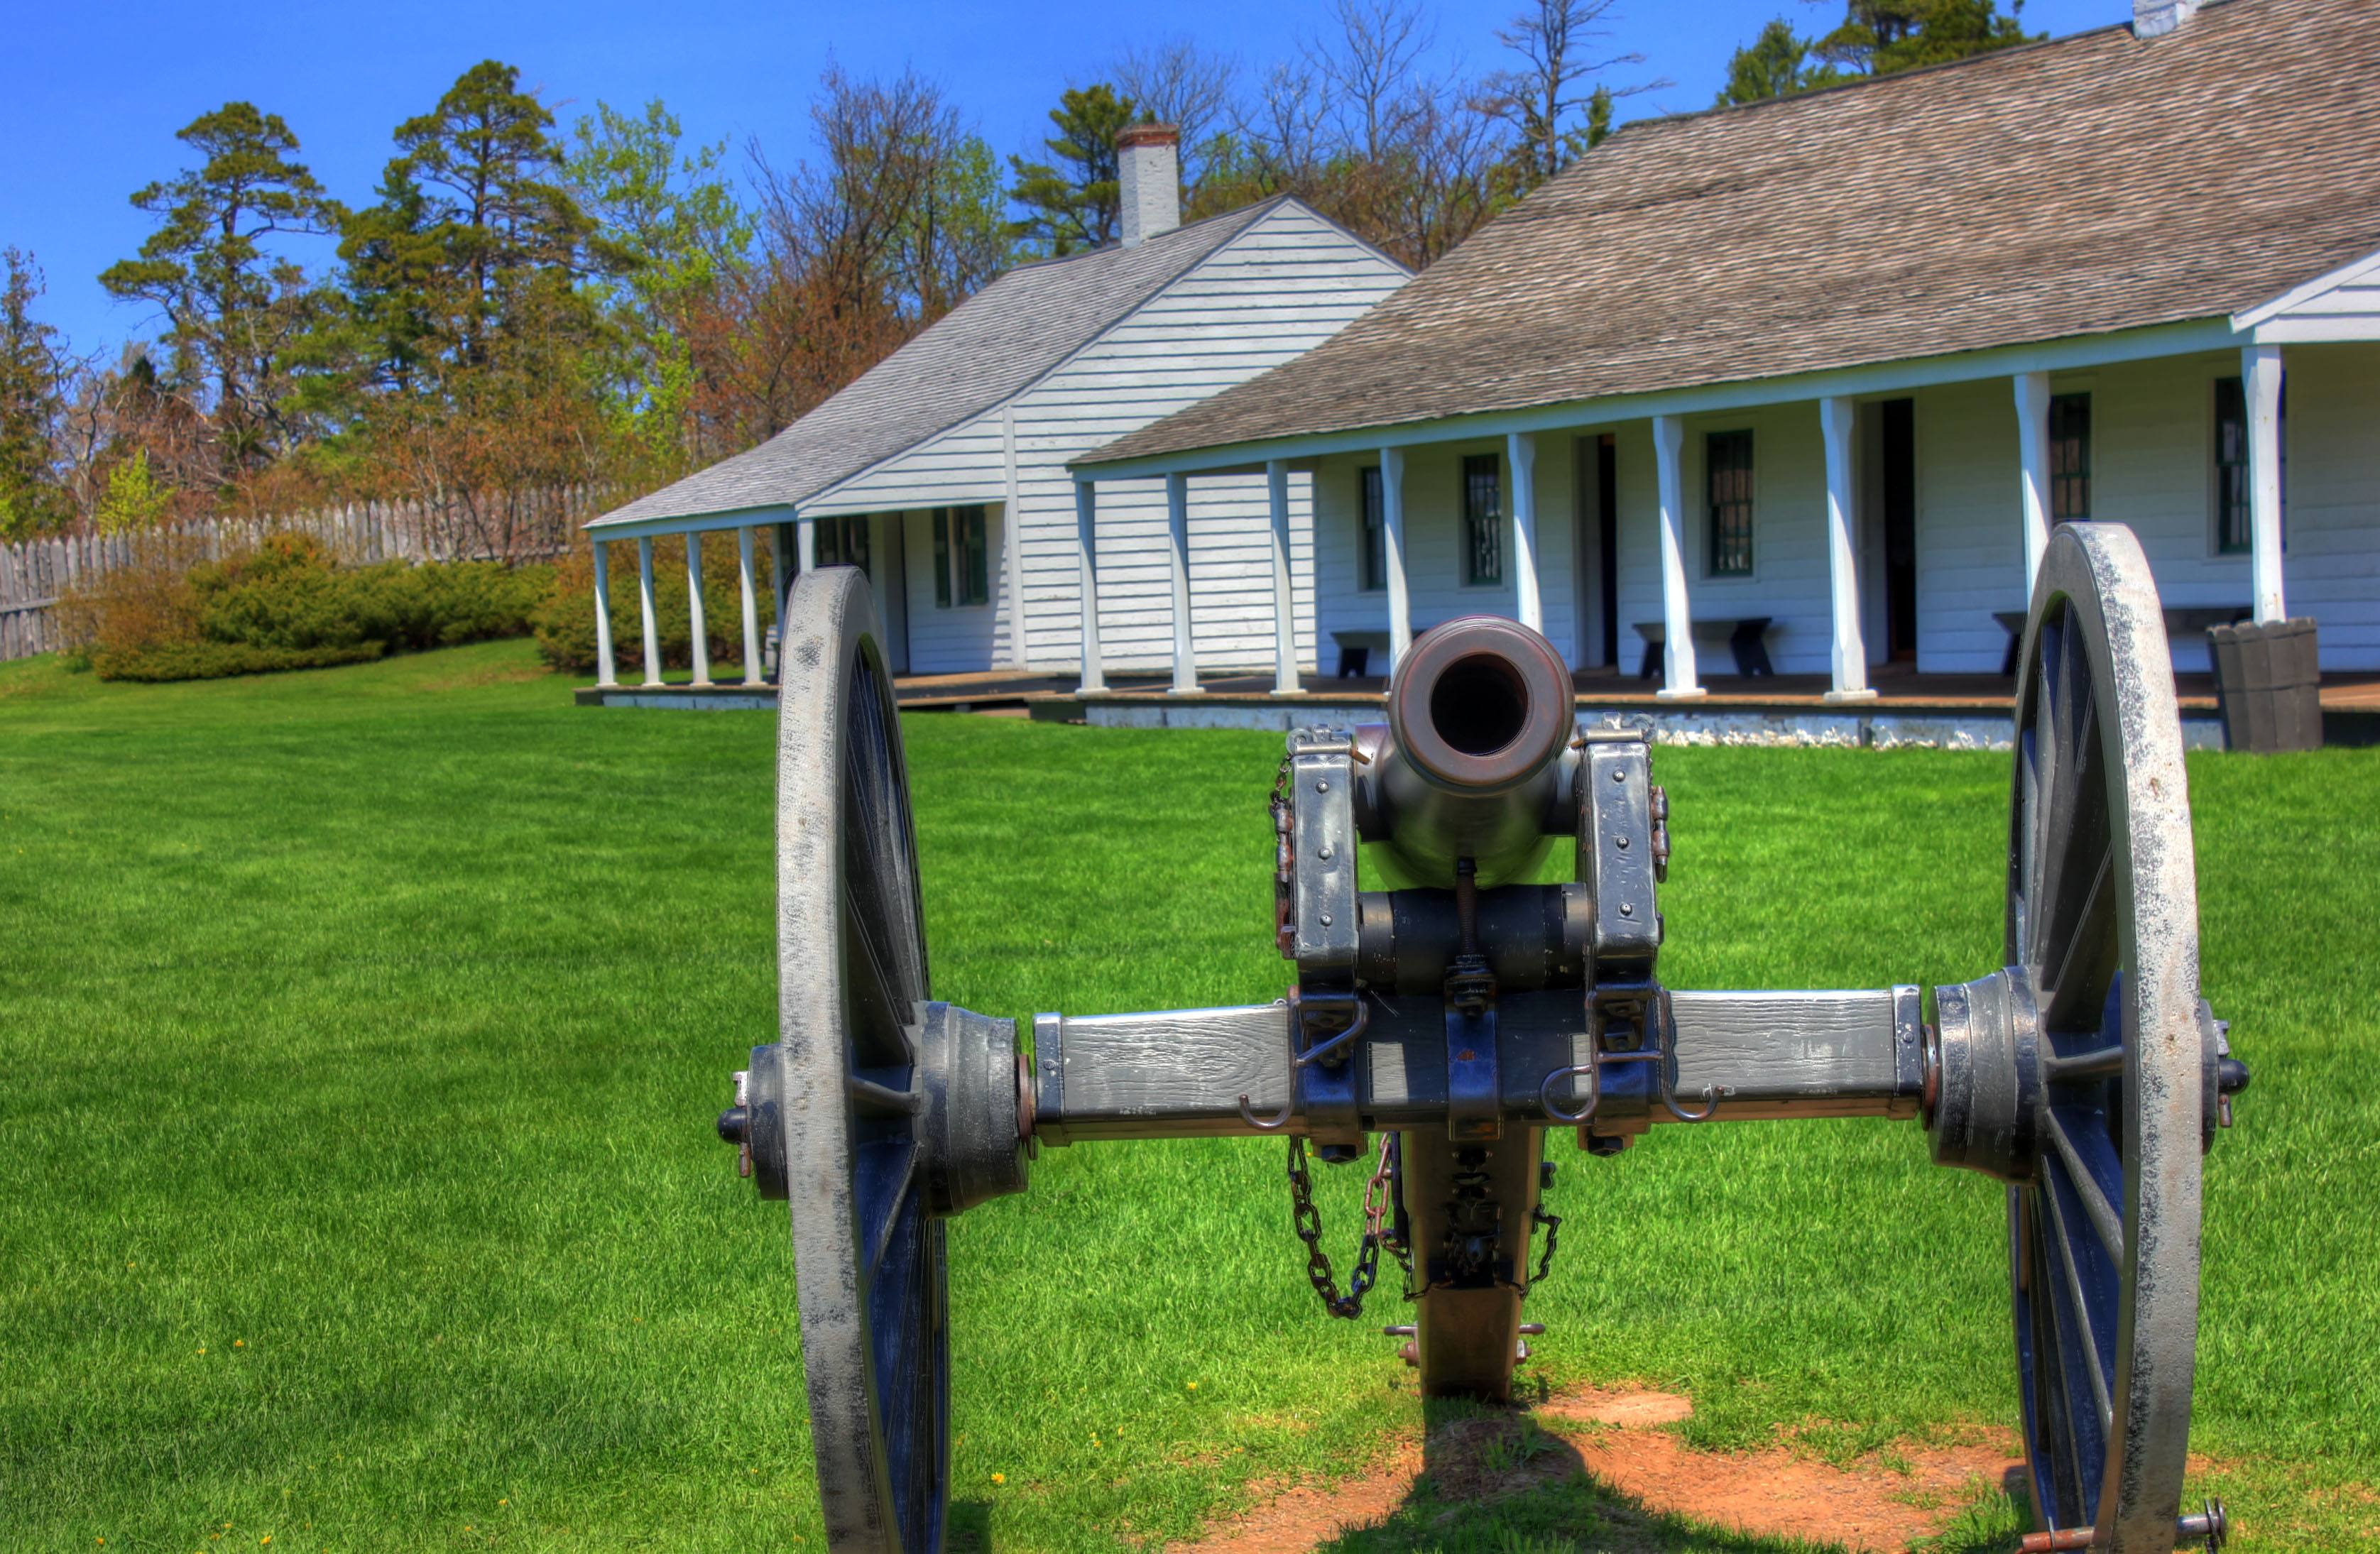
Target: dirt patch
{"points": [[1615, 1434], [1308, 1516]]}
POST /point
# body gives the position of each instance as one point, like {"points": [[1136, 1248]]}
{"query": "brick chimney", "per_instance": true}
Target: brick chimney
{"points": [[1149, 166], [2154, 18]]}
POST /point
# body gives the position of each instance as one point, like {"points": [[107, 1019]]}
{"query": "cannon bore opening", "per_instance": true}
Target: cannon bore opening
{"points": [[1480, 704]]}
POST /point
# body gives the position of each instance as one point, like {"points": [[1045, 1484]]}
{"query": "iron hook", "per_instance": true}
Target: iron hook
{"points": [[1594, 1092], [1322, 1053], [1710, 1099], [1252, 1120]]}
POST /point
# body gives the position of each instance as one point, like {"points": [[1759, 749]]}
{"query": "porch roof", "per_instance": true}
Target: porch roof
{"points": [[2095, 184]]}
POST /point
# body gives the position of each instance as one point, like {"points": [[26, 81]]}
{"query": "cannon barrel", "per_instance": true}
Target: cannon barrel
{"points": [[1472, 763]]}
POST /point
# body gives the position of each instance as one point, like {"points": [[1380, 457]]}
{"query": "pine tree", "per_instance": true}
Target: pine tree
{"points": [[1076, 197], [29, 401], [232, 307]]}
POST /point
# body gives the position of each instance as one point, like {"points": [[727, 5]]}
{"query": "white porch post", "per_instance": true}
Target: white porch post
{"points": [[1392, 542], [694, 607], [806, 543], [1285, 624], [1520, 452], [745, 582], [607, 670], [1177, 551], [1679, 681], [1087, 559], [1012, 541], [2260, 371], [1836, 418], [2033, 459], [645, 599]]}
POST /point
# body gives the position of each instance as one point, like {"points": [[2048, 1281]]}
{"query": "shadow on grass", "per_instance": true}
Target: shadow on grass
{"points": [[1495, 1481]]}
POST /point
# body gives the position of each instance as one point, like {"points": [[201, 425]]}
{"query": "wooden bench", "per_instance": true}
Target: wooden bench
{"points": [[2180, 621], [1742, 634], [1355, 649]]}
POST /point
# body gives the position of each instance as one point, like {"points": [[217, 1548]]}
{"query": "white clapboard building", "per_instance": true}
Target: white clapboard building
{"points": [[1811, 380], [941, 470]]}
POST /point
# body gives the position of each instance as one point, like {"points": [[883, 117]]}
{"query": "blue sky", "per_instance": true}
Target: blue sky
{"points": [[92, 94]]}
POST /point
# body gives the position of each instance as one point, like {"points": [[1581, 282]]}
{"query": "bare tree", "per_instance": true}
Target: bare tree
{"points": [[1179, 83], [1540, 97], [1373, 69]]}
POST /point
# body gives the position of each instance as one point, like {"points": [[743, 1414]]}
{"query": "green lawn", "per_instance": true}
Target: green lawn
{"points": [[365, 1028]]}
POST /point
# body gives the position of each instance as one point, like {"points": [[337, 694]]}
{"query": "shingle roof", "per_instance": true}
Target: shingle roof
{"points": [[986, 350], [2094, 183]]}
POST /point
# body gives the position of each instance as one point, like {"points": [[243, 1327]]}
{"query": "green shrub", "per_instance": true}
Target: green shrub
{"points": [[290, 605]]}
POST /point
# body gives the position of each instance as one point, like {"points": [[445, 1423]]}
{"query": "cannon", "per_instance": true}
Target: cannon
{"points": [[1457, 1011]]}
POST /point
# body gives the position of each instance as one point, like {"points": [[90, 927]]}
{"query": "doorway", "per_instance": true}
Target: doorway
{"points": [[1898, 473], [1597, 550]]}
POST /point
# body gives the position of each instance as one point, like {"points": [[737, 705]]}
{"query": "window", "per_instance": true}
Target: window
{"points": [[1727, 462], [1374, 571], [840, 541], [2234, 481], [1483, 521], [2070, 457], [962, 557]]}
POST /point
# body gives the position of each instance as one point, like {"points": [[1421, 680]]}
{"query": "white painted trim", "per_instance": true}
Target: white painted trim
{"points": [[806, 543], [2366, 268], [1836, 419], [1177, 559], [1087, 518], [707, 523], [2260, 368], [1888, 378], [1284, 596], [645, 601], [607, 669], [1392, 542], [1521, 456], [1679, 680], [1013, 540], [2032, 469], [749, 587], [694, 610]]}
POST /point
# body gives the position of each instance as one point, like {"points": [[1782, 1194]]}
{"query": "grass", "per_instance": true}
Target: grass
{"points": [[364, 1027]]}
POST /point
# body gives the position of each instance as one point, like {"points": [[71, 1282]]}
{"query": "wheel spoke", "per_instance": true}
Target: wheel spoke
{"points": [[2082, 955], [2061, 1239], [2088, 1188], [883, 1200]]}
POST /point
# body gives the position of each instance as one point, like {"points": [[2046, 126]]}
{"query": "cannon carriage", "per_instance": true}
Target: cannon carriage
{"points": [[1441, 1025]]}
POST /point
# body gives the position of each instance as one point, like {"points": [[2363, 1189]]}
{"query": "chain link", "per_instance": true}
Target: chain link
{"points": [[1308, 1222], [1553, 1222]]}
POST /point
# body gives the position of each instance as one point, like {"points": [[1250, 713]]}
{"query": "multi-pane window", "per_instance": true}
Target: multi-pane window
{"points": [[2070, 457], [1373, 574], [962, 557], [1483, 521], [2234, 487], [1727, 462], [840, 541], [2234, 481]]}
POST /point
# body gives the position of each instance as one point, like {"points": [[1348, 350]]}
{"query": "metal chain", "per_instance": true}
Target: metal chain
{"points": [[1308, 1222]]}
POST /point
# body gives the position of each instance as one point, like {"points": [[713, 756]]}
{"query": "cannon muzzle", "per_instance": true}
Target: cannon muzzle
{"points": [[1472, 762]]}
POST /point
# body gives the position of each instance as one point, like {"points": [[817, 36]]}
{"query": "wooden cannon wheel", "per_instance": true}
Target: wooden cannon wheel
{"points": [[2102, 937], [868, 1248]]}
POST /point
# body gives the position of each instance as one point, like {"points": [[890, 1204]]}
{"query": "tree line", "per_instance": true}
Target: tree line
{"points": [[518, 306]]}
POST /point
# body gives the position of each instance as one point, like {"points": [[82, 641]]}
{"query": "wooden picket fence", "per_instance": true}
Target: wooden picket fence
{"points": [[35, 575]]}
